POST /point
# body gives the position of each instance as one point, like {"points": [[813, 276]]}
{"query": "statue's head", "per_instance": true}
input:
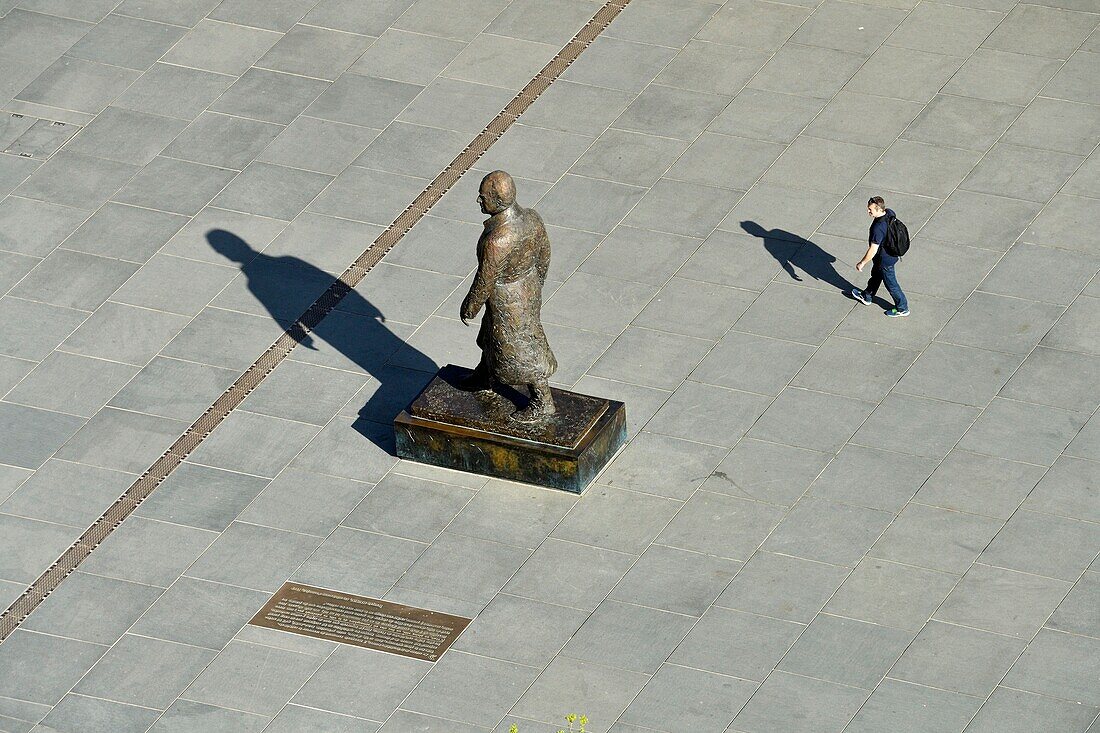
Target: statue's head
{"points": [[497, 192]]}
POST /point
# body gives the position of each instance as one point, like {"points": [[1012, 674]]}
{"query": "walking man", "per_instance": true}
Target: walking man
{"points": [[883, 262]]}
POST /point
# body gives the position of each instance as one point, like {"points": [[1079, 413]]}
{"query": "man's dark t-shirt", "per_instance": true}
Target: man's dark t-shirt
{"points": [[878, 236]]}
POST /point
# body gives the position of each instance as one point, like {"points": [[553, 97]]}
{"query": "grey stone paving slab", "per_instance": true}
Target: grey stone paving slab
{"points": [[1014, 710], [799, 705], [1007, 324], [59, 664], [628, 636], [252, 678], [188, 717], [570, 573], [296, 717], [126, 232], [180, 12], [1066, 489], [66, 493], [578, 107], [1076, 80], [457, 105], [130, 335], [1059, 665], [145, 672], [979, 484], [678, 696], [521, 630], [1038, 434], [35, 227], [1002, 76], [796, 417], [753, 24], [1000, 172], [917, 425], [74, 279], [362, 682], [92, 608], [902, 706], [739, 644], [174, 388], [808, 70], [712, 67], [937, 539], [1071, 369], [75, 84], [199, 613], [468, 688], [221, 47], [845, 651], [1054, 226], [175, 186], [618, 64], [770, 472], [825, 531], [175, 91], [128, 42], [698, 580], [30, 546], [573, 684], [1051, 32], [872, 478], [254, 557], [76, 385], [1075, 614], [1003, 601], [960, 374], [742, 525], [1078, 331], [981, 220], [956, 658], [121, 440], [890, 594], [512, 513], [661, 465], [914, 75], [465, 568], [77, 180], [197, 496], [722, 415], [77, 712], [1033, 542]]}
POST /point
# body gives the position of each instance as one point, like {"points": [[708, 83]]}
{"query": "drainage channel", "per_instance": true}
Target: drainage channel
{"points": [[274, 355]]}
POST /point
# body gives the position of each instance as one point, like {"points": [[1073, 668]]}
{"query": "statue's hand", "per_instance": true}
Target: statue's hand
{"points": [[468, 312]]}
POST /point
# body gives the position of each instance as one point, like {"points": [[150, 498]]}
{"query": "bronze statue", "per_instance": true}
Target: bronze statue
{"points": [[513, 255]]}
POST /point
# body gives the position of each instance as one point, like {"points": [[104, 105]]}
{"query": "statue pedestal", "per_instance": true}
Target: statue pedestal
{"points": [[471, 431]]}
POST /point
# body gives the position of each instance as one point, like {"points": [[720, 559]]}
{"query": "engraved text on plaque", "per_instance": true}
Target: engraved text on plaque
{"points": [[366, 622]]}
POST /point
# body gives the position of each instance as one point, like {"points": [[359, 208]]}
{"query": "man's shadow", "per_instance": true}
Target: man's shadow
{"points": [[287, 286], [792, 251]]}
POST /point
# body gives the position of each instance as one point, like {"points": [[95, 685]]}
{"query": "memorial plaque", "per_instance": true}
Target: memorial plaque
{"points": [[366, 622]]}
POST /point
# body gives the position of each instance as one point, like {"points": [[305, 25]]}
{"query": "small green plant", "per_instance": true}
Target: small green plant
{"points": [[572, 719]]}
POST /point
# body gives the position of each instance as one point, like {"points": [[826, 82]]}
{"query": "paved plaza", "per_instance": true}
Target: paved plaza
{"points": [[824, 521]]}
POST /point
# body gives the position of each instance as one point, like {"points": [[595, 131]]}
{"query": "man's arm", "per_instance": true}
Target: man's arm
{"points": [[489, 261], [872, 249]]}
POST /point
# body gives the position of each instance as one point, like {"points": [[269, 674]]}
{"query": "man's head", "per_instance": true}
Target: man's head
{"points": [[497, 192], [876, 207]]}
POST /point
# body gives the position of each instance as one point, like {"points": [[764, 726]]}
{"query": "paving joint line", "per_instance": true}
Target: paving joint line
{"points": [[148, 481]]}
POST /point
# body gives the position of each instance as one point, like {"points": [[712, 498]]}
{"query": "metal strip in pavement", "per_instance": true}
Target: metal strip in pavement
{"points": [[255, 374]]}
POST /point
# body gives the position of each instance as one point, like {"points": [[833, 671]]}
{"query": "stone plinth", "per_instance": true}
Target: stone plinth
{"points": [[471, 431]]}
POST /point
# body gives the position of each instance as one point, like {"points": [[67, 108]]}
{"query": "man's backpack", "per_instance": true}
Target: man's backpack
{"points": [[897, 237]]}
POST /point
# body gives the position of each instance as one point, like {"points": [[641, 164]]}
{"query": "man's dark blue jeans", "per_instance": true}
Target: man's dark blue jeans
{"points": [[882, 271]]}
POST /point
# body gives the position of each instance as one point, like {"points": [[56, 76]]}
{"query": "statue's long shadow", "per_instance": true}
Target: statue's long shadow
{"points": [[791, 251], [286, 286]]}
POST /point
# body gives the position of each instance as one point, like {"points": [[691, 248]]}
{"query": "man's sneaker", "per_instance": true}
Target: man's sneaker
{"points": [[895, 313], [861, 296]]}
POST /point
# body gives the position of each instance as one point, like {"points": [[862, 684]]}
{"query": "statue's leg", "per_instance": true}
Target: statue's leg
{"points": [[540, 406], [479, 380]]}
